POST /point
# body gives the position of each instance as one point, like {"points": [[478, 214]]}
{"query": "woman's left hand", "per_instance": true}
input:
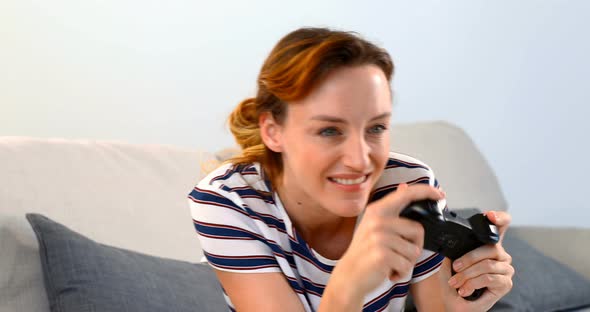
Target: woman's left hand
{"points": [[487, 266]]}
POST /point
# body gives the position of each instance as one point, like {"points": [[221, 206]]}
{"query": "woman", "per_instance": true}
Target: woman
{"points": [[280, 223]]}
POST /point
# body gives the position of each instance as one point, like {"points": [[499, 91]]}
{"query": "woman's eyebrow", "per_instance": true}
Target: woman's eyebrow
{"points": [[340, 120], [384, 115]]}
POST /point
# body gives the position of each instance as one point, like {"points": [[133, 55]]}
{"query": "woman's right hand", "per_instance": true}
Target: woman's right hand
{"points": [[385, 245]]}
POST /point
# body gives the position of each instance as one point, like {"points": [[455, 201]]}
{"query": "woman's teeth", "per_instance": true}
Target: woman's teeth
{"points": [[349, 181]]}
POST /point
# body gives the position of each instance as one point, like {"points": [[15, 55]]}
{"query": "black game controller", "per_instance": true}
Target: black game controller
{"points": [[449, 234]]}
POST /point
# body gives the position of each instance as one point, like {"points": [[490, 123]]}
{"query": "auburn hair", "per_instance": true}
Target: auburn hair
{"points": [[298, 63]]}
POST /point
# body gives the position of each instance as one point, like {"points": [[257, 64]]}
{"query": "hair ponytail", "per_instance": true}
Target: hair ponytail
{"points": [[243, 124]]}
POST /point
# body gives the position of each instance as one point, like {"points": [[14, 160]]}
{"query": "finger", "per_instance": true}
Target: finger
{"points": [[445, 270], [399, 266], [496, 283], [495, 252], [394, 202], [501, 219], [404, 248], [485, 302], [483, 267], [410, 230]]}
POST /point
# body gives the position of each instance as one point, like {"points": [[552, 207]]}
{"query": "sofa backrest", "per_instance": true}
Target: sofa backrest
{"points": [[125, 195]]}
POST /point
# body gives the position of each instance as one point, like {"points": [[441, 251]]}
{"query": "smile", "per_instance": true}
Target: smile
{"points": [[350, 181]]}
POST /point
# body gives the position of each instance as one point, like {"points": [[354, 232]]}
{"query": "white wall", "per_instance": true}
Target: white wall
{"points": [[514, 74]]}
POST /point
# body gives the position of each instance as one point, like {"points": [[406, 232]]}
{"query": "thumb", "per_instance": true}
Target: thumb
{"points": [[501, 219]]}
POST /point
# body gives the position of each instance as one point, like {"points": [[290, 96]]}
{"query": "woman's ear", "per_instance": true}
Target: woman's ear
{"points": [[270, 132]]}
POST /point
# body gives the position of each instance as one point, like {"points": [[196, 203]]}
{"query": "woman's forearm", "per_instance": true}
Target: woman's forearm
{"points": [[341, 295]]}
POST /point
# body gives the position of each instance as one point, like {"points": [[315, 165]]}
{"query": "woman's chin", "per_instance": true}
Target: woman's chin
{"points": [[351, 207]]}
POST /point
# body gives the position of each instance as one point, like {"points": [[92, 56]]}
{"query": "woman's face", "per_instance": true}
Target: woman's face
{"points": [[335, 142]]}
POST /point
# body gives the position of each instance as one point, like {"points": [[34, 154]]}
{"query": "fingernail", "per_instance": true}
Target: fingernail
{"points": [[453, 282], [458, 265], [461, 292]]}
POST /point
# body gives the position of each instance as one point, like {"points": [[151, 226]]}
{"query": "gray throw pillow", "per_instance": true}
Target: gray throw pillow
{"points": [[540, 282], [82, 275]]}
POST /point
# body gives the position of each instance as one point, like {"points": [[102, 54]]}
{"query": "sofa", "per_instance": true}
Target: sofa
{"points": [[89, 225]]}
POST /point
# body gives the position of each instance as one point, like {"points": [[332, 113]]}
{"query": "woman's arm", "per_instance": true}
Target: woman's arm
{"points": [[271, 292], [427, 294], [259, 291]]}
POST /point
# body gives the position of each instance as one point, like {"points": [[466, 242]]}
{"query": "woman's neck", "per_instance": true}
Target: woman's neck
{"points": [[325, 232]]}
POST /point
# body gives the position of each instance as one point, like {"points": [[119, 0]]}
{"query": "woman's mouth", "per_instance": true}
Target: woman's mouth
{"points": [[355, 181]]}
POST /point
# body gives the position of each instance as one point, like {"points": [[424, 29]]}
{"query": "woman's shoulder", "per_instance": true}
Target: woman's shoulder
{"points": [[235, 194], [403, 168], [233, 175], [401, 160], [238, 183]]}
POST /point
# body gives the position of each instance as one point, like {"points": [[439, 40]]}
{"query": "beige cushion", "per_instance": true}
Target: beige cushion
{"points": [[129, 196]]}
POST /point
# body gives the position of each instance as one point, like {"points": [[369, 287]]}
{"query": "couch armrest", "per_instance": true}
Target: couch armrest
{"points": [[566, 245]]}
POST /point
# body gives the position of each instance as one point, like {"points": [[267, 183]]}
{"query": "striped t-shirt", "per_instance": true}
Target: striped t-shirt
{"points": [[243, 227]]}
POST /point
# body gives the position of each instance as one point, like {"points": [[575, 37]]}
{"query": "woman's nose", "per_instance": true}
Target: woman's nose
{"points": [[356, 154]]}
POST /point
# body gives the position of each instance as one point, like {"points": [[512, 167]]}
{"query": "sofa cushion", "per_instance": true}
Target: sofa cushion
{"points": [[83, 275], [541, 283]]}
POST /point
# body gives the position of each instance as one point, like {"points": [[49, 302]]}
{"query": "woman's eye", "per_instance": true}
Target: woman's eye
{"points": [[377, 129], [329, 132]]}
